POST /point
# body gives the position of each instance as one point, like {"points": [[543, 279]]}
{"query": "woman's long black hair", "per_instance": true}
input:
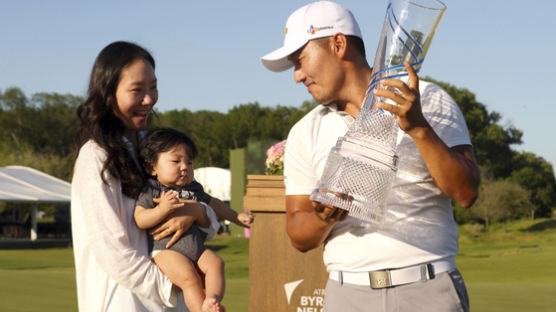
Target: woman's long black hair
{"points": [[98, 121]]}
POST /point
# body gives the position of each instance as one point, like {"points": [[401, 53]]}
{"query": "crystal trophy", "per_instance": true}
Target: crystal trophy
{"points": [[360, 169]]}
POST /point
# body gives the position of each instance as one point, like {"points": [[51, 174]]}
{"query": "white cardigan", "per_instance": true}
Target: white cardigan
{"points": [[112, 264]]}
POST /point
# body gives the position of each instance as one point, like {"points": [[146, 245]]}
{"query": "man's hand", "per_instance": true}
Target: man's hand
{"points": [[453, 169], [407, 97], [328, 213]]}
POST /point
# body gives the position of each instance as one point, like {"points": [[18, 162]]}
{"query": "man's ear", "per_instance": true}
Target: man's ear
{"points": [[338, 44]]}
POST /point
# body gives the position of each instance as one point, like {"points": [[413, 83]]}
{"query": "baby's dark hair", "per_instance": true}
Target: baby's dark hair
{"points": [[160, 140]]}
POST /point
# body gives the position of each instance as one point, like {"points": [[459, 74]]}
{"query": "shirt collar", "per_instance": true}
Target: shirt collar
{"points": [[333, 108]]}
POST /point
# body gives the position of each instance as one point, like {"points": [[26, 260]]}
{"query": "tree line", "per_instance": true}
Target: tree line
{"points": [[38, 131]]}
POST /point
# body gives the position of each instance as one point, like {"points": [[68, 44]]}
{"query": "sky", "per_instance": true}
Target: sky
{"points": [[208, 52]]}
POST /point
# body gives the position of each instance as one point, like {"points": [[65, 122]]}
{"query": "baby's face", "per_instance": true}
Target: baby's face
{"points": [[173, 167]]}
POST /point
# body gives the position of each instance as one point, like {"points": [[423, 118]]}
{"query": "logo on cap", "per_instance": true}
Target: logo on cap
{"points": [[312, 30]]}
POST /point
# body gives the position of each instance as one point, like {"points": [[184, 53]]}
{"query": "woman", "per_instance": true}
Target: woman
{"points": [[113, 268]]}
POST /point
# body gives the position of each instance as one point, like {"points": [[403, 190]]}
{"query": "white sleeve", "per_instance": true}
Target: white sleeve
{"points": [[444, 116], [299, 172], [103, 229], [212, 229]]}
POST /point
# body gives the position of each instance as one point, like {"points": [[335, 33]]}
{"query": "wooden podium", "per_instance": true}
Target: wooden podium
{"points": [[281, 278]]}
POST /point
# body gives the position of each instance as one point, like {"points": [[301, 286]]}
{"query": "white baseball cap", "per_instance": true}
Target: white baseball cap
{"points": [[314, 20]]}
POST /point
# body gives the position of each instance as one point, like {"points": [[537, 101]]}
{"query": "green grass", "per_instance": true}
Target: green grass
{"points": [[44, 279], [509, 268], [235, 253], [37, 280]]}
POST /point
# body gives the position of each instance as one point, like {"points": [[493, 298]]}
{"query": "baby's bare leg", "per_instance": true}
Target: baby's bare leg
{"points": [[213, 268], [182, 272]]}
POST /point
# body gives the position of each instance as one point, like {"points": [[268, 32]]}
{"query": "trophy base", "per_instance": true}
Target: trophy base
{"points": [[357, 207], [357, 177]]}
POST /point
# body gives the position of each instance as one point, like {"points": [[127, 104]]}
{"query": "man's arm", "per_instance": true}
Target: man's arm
{"points": [[309, 223], [454, 170]]}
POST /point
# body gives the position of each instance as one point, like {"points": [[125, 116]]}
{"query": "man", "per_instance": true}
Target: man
{"points": [[408, 263]]}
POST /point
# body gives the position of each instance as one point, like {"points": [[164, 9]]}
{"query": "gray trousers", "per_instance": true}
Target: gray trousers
{"points": [[446, 292]]}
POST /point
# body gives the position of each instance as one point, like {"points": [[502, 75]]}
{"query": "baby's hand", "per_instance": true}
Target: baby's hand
{"points": [[245, 218], [169, 201]]}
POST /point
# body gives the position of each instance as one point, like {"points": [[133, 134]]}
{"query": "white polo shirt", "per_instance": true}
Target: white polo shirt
{"points": [[419, 226]]}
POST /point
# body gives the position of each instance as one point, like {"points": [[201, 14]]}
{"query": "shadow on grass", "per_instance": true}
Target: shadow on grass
{"points": [[541, 226], [474, 255], [216, 247]]}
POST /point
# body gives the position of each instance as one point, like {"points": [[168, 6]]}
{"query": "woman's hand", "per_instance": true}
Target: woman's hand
{"points": [[179, 221]]}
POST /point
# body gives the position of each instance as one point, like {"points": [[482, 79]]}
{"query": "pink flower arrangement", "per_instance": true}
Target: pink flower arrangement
{"points": [[275, 159]]}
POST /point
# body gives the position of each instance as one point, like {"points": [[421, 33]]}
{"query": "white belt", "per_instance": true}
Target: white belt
{"points": [[395, 277]]}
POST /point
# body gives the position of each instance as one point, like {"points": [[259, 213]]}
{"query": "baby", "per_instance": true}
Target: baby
{"points": [[167, 157]]}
